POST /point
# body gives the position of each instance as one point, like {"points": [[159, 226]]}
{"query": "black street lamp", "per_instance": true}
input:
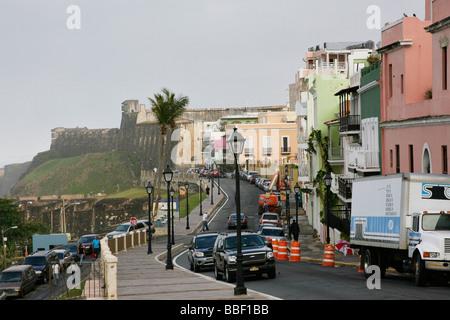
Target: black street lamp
{"points": [[168, 175], [172, 193], [149, 189], [200, 194], [297, 192], [212, 182], [186, 185], [236, 145], [218, 180], [327, 180]]}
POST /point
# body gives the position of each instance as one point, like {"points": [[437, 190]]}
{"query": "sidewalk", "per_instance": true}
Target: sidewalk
{"points": [[181, 284], [176, 284]]}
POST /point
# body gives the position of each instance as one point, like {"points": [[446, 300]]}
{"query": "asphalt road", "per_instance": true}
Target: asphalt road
{"points": [[309, 280]]}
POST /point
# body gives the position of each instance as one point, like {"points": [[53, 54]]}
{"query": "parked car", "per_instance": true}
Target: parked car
{"points": [[16, 281], [65, 258], [232, 221], [258, 258], [200, 251], [86, 242], [249, 175], [272, 232], [42, 262], [253, 178], [126, 228], [73, 249], [270, 218]]}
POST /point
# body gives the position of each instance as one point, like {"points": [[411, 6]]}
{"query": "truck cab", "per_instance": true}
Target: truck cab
{"points": [[429, 243]]}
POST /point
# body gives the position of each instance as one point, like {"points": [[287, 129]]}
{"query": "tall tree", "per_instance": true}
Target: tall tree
{"points": [[167, 109]]}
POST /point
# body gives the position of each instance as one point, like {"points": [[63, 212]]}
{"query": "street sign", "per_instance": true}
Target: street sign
{"points": [[133, 221]]}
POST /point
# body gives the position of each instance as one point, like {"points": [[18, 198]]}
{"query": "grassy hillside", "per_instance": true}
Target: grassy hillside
{"points": [[81, 175]]}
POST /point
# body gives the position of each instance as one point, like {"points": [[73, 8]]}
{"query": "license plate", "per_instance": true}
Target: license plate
{"points": [[254, 268]]}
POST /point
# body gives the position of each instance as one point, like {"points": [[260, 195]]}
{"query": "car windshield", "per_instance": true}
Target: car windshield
{"points": [[233, 216], [86, 239], [432, 222], [247, 241], [270, 217], [70, 247], [122, 228], [272, 232], [204, 242], [10, 276], [35, 261], [60, 255]]}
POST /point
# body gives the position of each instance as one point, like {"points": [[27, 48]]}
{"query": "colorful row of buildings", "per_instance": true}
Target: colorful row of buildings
{"points": [[364, 111]]}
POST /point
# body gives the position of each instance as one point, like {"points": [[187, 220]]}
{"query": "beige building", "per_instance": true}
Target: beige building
{"points": [[271, 142]]}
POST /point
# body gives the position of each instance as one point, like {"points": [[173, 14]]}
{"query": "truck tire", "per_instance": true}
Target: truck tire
{"points": [[367, 260], [420, 275]]}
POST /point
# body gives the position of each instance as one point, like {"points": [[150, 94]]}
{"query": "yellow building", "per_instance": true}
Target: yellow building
{"points": [[271, 142]]}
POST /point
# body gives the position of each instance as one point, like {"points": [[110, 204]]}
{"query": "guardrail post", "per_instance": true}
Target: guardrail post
{"points": [[111, 276]]}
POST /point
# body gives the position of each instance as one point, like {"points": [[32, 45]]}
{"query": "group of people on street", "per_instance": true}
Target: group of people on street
{"points": [[56, 268]]}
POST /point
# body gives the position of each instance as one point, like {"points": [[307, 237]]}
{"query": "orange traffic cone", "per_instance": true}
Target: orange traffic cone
{"points": [[360, 270], [282, 250], [275, 248], [295, 251], [328, 256]]}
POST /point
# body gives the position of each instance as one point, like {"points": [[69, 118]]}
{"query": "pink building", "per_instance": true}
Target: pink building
{"points": [[415, 98]]}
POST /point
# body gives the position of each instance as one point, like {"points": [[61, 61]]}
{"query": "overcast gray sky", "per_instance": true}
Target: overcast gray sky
{"points": [[220, 53]]}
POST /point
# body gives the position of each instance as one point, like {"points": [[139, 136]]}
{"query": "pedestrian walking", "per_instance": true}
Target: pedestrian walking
{"points": [[55, 272], [266, 207], [81, 252], [205, 222], [207, 191], [96, 245], [294, 230]]}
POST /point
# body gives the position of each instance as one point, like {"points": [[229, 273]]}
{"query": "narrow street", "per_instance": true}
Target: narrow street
{"points": [[309, 280]]}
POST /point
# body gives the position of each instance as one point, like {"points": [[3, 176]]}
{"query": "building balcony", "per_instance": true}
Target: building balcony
{"points": [[335, 154], [363, 161], [248, 151], [267, 151], [285, 150], [350, 124], [342, 186]]}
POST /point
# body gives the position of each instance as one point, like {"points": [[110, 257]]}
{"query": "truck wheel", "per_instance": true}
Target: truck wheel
{"points": [[368, 260], [421, 272]]}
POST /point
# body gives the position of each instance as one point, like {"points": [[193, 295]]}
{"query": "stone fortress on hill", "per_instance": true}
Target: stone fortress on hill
{"points": [[139, 132]]}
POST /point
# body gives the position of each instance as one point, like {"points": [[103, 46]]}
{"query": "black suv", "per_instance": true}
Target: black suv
{"points": [[200, 250], [257, 257], [42, 262]]}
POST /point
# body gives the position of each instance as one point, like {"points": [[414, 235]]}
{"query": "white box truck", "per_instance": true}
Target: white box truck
{"points": [[403, 221]]}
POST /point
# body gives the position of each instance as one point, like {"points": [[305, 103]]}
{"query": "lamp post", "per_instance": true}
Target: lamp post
{"points": [[288, 208], [149, 189], [218, 179], [212, 182], [297, 192], [4, 244], [236, 145], [168, 174], [200, 194], [186, 185], [172, 193], [327, 180]]}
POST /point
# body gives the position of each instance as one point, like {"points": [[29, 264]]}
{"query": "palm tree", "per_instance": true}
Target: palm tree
{"points": [[167, 109]]}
